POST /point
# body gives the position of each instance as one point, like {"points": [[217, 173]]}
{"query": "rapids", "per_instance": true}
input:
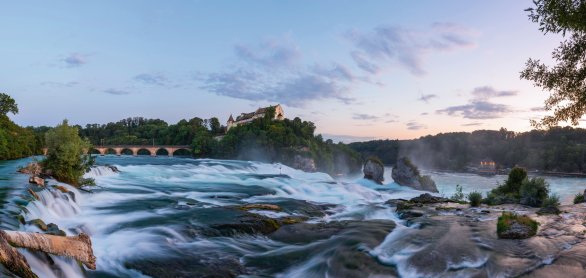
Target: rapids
{"points": [[167, 217]]}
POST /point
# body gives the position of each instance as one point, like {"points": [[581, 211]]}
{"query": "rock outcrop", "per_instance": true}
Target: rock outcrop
{"points": [[306, 164], [36, 180], [512, 226], [406, 174], [374, 170]]}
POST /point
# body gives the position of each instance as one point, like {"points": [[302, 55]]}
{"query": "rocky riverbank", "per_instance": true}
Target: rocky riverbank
{"points": [[446, 236]]}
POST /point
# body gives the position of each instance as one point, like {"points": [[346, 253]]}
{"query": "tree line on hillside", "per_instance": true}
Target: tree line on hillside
{"points": [[262, 139], [558, 149], [15, 141]]}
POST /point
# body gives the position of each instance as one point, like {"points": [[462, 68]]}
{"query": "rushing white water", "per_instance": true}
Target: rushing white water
{"points": [[149, 210]]}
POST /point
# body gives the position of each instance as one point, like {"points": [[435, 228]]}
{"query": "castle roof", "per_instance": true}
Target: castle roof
{"points": [[231, 119], [259, 111]]}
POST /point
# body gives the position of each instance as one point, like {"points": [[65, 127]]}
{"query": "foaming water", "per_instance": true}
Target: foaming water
{"points": [[155, 217]]}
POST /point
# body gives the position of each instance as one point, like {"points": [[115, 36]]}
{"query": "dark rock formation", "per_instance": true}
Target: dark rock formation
{"points": [[427, 198], [306, 164], [406, 174], [374, 170]]}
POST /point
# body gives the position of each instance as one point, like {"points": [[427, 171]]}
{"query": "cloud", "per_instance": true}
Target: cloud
{"points": [[151, 78], [424, 114], [75, 60], [537, 109], [472, 124], [426, 98], [415, 126], [477, 109], [407, 48], [116, 92], [363, 117], [275, 53], [60, 84], [487, 92], [480, 106], [274, 72]]}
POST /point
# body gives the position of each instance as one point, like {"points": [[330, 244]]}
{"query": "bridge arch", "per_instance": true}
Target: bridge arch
{"points": [[144, 151], [126, 151], [162, 151], [180, 151], [95, 151]]}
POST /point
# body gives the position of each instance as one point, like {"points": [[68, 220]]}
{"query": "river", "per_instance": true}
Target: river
{"points": [[179, 217]]}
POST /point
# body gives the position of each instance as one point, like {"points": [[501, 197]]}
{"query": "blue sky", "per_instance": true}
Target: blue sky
{"points": [[358, 69]]}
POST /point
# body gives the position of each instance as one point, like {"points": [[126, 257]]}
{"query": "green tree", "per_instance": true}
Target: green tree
{"points": [[215, 126], [7, 105], [516, 178], [66, 159], [565, 81]]}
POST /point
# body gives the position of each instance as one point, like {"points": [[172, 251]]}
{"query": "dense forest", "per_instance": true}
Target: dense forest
{"points": [[559, 149], [262, 140], [15, 141]]}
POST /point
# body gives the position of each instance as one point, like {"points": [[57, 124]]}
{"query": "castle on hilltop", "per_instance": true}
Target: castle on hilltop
{"points": [[245, 118]]}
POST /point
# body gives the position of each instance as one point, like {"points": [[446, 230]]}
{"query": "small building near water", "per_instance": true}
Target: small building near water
{"points": [[487, 167]]}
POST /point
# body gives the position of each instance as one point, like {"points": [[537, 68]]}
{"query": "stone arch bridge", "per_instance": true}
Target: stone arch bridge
{"points": [[120, 149]]}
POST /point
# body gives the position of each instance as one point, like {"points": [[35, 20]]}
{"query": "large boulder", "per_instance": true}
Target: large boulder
{"points": [[374, 170], [407, 174]]}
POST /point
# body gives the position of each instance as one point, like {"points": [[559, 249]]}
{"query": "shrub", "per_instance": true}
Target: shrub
{"points": [[495, 197], [459, 195], [66, 159], [516, 178], [553, 201], [508, 218], [550, 205], [579, 198], [534, 192], [475, 198]]}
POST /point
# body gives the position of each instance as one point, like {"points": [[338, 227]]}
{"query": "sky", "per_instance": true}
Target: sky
{"points": [[359, 70]]}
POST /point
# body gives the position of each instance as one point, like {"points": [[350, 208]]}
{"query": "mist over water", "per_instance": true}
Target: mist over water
{"points": [[154, 216]]}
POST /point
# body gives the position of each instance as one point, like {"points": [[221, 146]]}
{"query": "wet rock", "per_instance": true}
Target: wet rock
{"points": [[260, 207], [302, 207], [410, 214], [61, 188], [335, 249], [33, 168], [33, 193], [248, 224], [306, 164], [310, 232], [194, 265], [374, 170], [427, 198], [36, 180], [53, 229], [406, 205], [39, 224], [113, 168]]}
